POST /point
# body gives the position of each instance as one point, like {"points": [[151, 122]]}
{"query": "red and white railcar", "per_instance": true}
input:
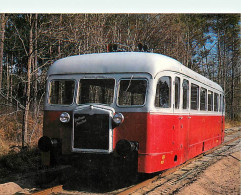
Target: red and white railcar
{"points": [[114, 104]]}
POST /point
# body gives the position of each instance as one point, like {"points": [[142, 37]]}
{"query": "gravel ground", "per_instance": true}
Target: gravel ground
{"points": [[223, 177]]}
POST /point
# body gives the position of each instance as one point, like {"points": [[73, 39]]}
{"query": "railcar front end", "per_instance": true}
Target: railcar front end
{"points": [[95, 117]]}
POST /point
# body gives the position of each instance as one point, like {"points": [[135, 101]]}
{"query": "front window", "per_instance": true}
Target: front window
{"points": [[61, 92], [96, 91], [132, 92]]}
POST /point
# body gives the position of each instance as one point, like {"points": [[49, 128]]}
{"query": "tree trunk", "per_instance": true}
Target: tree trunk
{"points": [[35, 68], [26, 111], [11, 78], [8, 75], [219, 59], [2, 31]]}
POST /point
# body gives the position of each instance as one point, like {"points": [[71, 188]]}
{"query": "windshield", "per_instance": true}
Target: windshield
{"points": [[132, 92], [61, 92], [96, 91]]}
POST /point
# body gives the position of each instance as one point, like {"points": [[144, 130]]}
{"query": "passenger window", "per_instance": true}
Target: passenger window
{"points": [[223, 105], [177, 92], [210, 101], [203, 99], [215, 102], [185, 88], [194, 96], [132, 92], [163, 92], [61, 92], [220, 103]]}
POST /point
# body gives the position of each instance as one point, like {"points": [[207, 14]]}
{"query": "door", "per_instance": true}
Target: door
{"points": [[182, 118]]}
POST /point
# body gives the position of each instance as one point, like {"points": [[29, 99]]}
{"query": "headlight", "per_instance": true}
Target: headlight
{"points": [[118, 118], [64, 117]]}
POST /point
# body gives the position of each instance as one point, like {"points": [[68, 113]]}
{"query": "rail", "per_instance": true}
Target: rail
{"points": [[133, 189]]}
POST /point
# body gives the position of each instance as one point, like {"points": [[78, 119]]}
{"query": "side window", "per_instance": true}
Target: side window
{"points": [[223, 107], [216, 102], [61, 92], [185, 88], [203, 99], [163, 92], [210, 101], [220, 103], [194, 96], [177, 92]]}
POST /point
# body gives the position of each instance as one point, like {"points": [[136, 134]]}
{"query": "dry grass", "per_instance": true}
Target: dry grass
{"points": [[12, 157], [230, 124], [11, 132]]}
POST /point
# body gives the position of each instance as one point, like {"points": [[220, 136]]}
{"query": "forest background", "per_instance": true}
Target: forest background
{"points": [[29, 43]]}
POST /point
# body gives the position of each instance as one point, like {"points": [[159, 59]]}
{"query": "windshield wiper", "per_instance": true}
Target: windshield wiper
{"points": [[129, 83]]}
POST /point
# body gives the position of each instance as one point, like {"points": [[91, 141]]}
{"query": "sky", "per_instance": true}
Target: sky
{"points": [[120, 6]]}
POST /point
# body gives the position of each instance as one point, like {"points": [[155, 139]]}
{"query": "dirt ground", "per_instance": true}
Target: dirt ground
{"points": [[223, 177]]}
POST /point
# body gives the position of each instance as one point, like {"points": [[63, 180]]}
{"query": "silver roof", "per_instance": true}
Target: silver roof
{"points": [[124, 62]]}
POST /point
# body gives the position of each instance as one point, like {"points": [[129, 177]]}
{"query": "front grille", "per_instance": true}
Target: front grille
{"points": [[91, 131]]}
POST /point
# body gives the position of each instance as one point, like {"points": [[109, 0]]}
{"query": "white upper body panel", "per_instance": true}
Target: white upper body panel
{"points": [[124, 62]]}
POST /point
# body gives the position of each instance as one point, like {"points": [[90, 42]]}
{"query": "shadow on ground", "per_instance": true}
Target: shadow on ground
{"points": [[92, 176]]}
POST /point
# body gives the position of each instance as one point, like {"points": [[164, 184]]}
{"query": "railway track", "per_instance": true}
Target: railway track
{"points": [[173, 180]]}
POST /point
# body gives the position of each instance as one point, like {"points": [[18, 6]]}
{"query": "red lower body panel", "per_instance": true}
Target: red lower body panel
{"points": [[171, 140], [165, 141]]}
